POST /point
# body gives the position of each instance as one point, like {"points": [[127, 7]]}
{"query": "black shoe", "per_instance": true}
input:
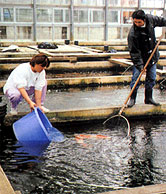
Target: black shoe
{"points": [[149, 99], [132, 99], [131, 103]]}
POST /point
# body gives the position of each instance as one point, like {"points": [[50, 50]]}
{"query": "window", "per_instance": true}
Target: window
{"points": [[114, 33], [80, 16], [127, 17], [80, 2], [7, 32], [3, 34], [64, 32], [44, 15], [24, 15], [46, 33], [16, 1], [61, 15], [89, 2], [155, 12], [57, 2], [24, 32], [98, 16], [114, 3], [8, 15], [81, 33], [96, 2], [113, 16], [129, 3], [125, 31], [61, 32], [96, 33], [152, 3], [58, 15], [65, 2]]}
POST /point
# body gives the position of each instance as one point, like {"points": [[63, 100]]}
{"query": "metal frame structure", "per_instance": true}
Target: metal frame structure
{"points": [[95, 28]]}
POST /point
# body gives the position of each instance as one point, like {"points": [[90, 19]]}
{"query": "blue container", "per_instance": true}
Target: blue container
{"points": [[36, 127]]}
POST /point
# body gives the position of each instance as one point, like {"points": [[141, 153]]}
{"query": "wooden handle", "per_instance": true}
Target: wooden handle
{"points": [[154, 50]]}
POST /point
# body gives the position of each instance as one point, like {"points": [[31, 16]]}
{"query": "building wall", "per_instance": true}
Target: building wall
{"points": [[50, 20]]}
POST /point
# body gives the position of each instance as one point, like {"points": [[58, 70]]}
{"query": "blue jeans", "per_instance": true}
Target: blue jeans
{"points": [[150, 77]]}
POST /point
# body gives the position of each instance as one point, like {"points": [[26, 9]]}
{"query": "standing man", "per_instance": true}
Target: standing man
{"points": [[141, 42]]}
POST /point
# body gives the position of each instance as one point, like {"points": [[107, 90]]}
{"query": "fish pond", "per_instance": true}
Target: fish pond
{"points": [[90, 164], [91, 158]]}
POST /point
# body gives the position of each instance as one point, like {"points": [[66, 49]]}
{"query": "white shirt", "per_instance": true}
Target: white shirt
{"points": [[23, 77]]}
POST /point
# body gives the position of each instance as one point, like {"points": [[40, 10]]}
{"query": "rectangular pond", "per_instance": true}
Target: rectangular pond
{"points": [[86, 161], [92, 158]]}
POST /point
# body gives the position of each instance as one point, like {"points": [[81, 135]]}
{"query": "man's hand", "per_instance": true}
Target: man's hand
{"points": [[140, 67], [23, 92], [32, 105]]}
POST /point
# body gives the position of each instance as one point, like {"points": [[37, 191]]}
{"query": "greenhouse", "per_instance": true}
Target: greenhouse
{"points": [[83, 20]]}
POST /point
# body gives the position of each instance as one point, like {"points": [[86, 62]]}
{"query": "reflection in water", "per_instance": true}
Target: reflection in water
{"points": [[143, 170], [29, 150], [141, 163], [104, 164]]}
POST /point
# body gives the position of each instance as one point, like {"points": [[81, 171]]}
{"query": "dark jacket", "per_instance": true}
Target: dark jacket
{"points": [[141, 44]]}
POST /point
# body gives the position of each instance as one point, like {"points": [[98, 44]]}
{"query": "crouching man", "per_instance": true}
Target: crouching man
{"points": [[28, 79]]}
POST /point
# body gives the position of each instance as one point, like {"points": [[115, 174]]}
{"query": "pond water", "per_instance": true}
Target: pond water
{"points": [[92, 165]]}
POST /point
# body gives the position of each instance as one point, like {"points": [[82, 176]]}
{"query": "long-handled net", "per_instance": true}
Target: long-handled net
{"points": [[120, 122]]}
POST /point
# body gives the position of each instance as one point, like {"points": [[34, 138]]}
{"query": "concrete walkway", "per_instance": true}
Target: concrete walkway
{"points": [[5, 186], [76, 105], [98, 113]]}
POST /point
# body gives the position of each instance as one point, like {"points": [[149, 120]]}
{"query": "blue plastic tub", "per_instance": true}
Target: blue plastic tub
{"points": [[36, 127]]}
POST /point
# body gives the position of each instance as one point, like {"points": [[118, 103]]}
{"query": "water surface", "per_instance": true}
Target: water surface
{"points": [[92, 166]]}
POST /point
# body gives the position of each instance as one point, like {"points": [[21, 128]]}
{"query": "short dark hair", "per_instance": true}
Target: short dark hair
{"points": [[139, 14], [40, 59]]}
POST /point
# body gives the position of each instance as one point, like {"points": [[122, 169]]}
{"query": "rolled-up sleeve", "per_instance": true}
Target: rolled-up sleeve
{"points": [[20, 81], [41, 81]]}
